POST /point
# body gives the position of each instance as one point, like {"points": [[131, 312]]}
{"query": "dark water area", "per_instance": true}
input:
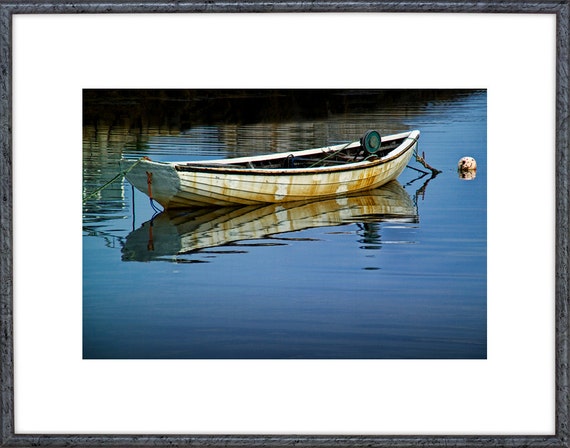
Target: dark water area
{"points": [[395, 273]]}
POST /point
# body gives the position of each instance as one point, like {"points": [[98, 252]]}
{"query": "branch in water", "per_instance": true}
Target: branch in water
{"points": [[421, 159]]}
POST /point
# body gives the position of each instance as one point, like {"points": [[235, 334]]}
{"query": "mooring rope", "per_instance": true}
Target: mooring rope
{"points": [[122, 173]]}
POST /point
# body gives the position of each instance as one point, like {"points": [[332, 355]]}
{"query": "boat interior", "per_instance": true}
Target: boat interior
{"points": [[347, 154]]}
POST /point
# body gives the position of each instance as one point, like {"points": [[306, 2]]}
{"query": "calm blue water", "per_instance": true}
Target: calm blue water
{"points": [[404, 280]]}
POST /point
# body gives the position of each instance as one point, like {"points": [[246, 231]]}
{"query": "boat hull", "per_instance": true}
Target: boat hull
{"points": [[189, 185]]}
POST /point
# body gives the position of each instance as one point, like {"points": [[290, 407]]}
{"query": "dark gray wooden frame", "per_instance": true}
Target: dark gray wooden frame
{"points": [[561, 438]]}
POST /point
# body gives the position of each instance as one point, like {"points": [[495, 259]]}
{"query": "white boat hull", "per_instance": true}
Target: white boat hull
{"points": [[190, 184]]}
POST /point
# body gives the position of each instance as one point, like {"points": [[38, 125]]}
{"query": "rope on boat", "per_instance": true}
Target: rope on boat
{"points": [[149, 184], [332, 154], [122, 173]]}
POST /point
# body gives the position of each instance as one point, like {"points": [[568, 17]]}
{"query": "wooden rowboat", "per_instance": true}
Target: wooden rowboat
{"points": [[177, 232], [273, 178]]}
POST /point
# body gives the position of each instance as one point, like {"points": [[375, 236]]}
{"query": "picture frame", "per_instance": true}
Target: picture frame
{"points": [[9, 437]]}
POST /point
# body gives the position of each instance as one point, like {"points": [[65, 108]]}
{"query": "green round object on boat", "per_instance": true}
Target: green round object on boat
{"points": [[371, 141]]}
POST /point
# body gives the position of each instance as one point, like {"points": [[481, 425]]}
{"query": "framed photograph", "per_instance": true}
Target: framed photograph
{"points": [[288, 224]]}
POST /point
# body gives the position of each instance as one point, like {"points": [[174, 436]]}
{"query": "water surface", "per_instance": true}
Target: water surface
{"points": [[397, 273]]}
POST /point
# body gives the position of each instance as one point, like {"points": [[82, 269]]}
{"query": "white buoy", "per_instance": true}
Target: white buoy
{"points": [[467, 164]]}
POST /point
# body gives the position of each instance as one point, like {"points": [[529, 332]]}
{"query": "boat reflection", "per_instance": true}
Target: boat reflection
{"points": [[180, 232]]}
